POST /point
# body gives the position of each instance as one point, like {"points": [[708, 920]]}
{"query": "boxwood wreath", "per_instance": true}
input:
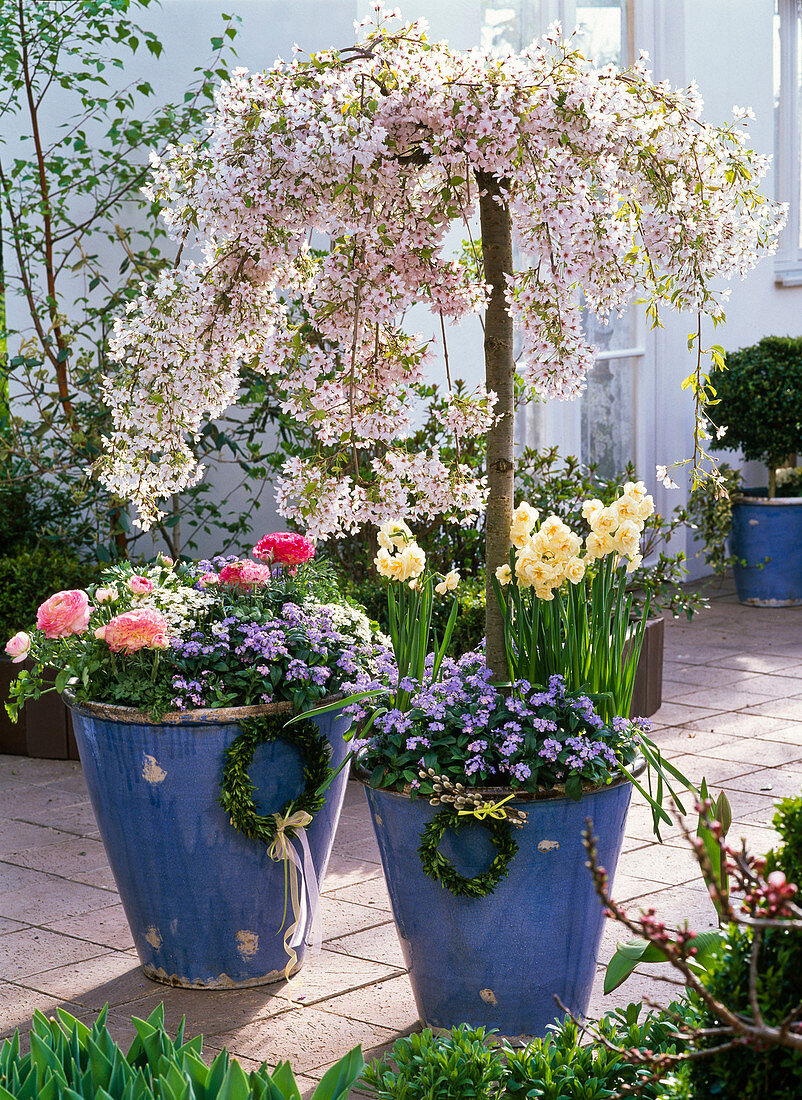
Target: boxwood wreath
{"points": [[237, 790], [436, 866]]}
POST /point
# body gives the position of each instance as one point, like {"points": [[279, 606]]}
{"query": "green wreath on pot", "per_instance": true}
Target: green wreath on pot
{"points": [[436, 866], [237, 791]]}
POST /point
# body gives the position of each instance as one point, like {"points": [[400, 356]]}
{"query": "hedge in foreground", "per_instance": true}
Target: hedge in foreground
{"points": [[70, 1061]]}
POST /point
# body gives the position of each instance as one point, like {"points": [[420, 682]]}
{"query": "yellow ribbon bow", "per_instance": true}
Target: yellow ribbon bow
{"points": [[487, 809], [280, 845], [282, 848]]}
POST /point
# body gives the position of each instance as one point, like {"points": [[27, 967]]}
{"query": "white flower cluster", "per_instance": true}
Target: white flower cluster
{"points": [[468, 414], [347, 620], [614, 185], [180, 605], [417, 485]]}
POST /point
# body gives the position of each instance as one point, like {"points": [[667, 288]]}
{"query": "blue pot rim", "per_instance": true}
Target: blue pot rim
{"points": [[202, 717], [494, 793], [771, 502]]}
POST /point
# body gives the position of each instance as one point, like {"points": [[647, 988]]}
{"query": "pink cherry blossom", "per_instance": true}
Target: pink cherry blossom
{"points": [[615, 186]]}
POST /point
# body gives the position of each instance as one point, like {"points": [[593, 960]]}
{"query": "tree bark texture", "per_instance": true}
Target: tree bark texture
{"points": [[499, 377]]}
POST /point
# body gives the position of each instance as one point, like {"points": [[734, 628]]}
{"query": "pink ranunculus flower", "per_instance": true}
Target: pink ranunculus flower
{"points": [[139, 585], [19, 646], [142, 628], [208, 580], [284, 548], [245, 575], [64, 614]]}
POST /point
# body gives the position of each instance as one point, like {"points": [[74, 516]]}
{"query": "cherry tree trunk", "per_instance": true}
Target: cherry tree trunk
{"points": [[499, 376]]}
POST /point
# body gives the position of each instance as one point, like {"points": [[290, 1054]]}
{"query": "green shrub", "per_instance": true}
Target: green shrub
{"points": [[560, 1067], [750, 1074], [19, 517], [28, 577], [69, 1061], [760, 402], [455, 1066], [788, 823], [460, 1065]]}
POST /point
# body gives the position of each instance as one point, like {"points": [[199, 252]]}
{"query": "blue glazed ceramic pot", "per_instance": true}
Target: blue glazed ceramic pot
{"points": [[205, 904], [766, 538], [498, 961]]}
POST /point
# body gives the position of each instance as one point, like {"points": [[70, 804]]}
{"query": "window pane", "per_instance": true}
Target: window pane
{"points": [[599, 38], [619, 333], [512, 24], [607, 415]]}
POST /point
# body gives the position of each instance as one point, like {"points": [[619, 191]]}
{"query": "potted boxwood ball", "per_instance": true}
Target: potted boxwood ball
{"points": [[217, 815], [760, 406]]}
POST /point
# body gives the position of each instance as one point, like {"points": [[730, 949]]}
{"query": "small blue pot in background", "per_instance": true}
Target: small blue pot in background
{"points": [[766, 538], [205, 903], [498, 961]]}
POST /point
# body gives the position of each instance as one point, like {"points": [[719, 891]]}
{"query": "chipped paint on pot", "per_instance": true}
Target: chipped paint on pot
{"points": [[221, 981], [205, 904]]}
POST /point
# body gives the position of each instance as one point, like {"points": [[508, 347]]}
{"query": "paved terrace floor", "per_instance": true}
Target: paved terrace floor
{"points": [[732, 711]]}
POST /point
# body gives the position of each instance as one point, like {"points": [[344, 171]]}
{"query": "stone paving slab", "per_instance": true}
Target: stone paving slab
{"points": [[732, 712]]}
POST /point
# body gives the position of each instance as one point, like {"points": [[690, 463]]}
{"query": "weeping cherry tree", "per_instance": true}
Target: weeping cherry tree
{"points": [[333, 183]]}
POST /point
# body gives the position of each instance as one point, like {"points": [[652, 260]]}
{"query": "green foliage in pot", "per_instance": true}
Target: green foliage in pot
{"points": [[749, 1074], [759, 402], [467, 1064], [69, 1060]]}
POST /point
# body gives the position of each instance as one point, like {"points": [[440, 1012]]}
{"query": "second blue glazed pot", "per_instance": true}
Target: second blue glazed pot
{"points": [[766, 540], [205, 903], [498, 961]]}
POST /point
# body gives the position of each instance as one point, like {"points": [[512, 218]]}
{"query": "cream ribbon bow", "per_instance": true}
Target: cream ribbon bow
{"points": [[282, 848]]}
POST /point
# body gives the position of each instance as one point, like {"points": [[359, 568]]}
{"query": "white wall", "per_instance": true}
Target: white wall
{"points": [[727, 45]]}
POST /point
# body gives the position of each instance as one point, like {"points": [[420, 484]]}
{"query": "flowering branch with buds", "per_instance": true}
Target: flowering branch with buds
{"points": [[767, 904]]}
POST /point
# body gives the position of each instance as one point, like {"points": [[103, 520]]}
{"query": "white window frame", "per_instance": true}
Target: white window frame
{"points": [[788, 167]]}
